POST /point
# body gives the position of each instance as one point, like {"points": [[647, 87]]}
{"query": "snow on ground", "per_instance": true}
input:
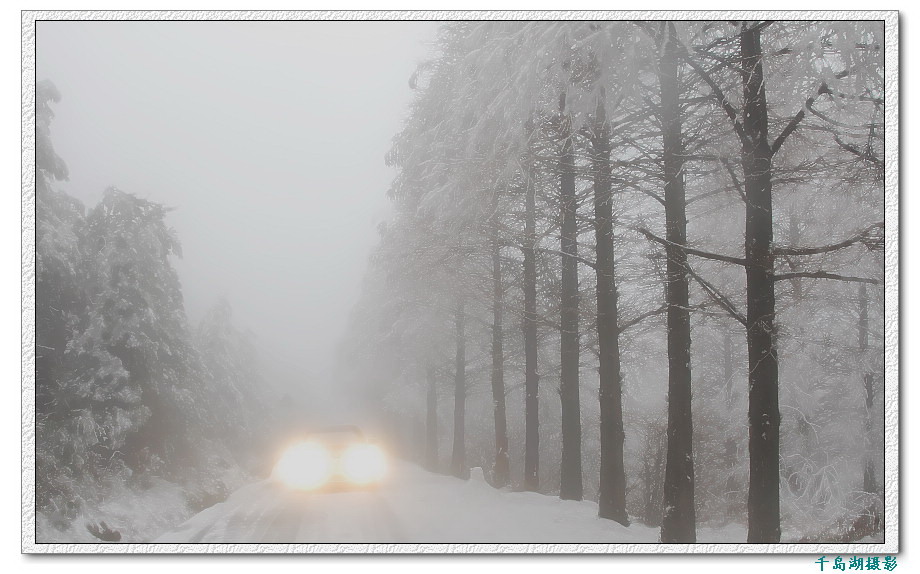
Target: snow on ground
{"points": [[413, 506], [137, 515]]}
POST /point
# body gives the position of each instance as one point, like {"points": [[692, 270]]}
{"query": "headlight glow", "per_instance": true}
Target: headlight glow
{"points": [[304, 466], [363, 463]]}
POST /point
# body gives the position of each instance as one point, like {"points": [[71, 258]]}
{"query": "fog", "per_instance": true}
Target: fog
{"points": [[268, 140], [460, 272]]}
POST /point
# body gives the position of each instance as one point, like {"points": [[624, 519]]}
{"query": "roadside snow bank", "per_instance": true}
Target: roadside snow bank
{"points": [[136, 516]]}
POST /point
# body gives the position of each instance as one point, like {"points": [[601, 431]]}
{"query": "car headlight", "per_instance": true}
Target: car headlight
{"points": [[363, 463], [304, 466]]}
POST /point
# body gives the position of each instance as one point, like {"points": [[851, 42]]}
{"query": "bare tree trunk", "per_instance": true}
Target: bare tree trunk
{"points": [[458, 456], [678, 523], [571, 481], [612, 494], [763, 360], [529, 327], [431, 422], [501, 471], [728, 361], [734, 506], [795, 234], [653, 469], [870, 482]]}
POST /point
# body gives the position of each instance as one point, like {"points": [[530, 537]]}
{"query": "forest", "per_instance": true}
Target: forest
{"points": [[637, 264], [129, 398], [640, 263]]}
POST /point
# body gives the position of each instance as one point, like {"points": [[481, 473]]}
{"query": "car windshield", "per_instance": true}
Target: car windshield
{"points": [[338, 437]]}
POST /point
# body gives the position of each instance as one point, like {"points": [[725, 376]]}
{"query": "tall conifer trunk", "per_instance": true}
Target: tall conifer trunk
{"points": [[571, 480], [678, 523], [529, 328], [458, 455], [763, 360], [500, 472], [870, 481], [612, 489], [431, 422]]}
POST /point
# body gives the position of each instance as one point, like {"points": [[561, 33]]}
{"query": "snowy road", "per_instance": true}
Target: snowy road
{"points": [[412, 506], [264, 512]]}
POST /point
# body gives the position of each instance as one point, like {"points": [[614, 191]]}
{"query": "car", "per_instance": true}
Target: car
{"points": [[331, 459]]}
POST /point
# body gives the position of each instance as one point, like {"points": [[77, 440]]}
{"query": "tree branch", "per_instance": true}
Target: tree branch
{"points": [[717, 93], [859, 237], [795, 121], [580, 259], [790, 127], [824, 275], [735, 181], [860, 154], [704, 254], [720, 299], [639, 318]]}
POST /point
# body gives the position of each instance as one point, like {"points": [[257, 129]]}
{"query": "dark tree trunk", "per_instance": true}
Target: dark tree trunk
{"points": [[653, 471], [678, 523], [458, 456], [763, 361], [870, 482], [728, 369], [612, 491], [501, 471], [734, 505], [795, 234], [529, 327], [431, 422], [571, 481]]}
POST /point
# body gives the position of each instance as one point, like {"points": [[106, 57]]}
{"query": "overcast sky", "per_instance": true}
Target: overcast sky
{"points": [[268, 138]]}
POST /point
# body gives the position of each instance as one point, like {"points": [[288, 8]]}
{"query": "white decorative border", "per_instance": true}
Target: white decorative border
{"points": [[892, 380]]}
